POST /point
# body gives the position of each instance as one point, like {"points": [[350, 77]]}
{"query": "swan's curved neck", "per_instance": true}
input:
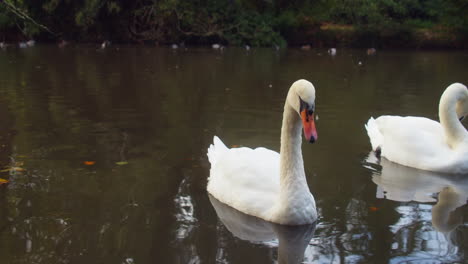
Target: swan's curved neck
{"points": [[292, 175], [453, 129]]}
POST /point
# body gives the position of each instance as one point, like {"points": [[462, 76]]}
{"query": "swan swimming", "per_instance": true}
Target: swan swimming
{"points": [[262, 182], [423, 143]]}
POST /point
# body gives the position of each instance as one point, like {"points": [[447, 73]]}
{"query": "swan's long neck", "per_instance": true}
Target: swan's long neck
{"points": [[292, 175], [453, 129]]}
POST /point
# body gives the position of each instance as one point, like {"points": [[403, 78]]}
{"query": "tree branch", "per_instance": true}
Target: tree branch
{"points": [[25, 16]]}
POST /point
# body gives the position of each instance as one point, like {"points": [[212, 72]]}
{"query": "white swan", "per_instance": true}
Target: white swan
{"points": [[263, 183], [423, 143]]}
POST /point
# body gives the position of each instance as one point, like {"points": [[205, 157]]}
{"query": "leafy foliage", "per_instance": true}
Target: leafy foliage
{"points": [[235, 22]]}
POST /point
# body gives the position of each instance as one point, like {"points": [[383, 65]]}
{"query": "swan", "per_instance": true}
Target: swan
{"points": [[422, 143], [263, 183]]}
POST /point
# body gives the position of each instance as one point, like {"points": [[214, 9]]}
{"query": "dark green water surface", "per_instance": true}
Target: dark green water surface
{"points": [[105, 154]]}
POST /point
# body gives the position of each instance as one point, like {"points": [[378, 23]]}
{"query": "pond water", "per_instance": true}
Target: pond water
{"points": [[105, 156]]}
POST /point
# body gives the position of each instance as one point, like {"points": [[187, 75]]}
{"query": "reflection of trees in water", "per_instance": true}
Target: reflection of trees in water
{"points": [[347, 241], [60, 210], [108, 212], [416, 238], [410, 237]]}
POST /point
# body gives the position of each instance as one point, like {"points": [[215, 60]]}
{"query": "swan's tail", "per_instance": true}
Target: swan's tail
{"points": [[215, 150], [376, 138]]}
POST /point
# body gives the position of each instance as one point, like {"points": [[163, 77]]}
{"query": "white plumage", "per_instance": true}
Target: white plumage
{"points": [[243, 177]]}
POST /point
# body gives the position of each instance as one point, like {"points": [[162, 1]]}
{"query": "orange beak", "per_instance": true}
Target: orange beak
{"points": [[308, 122]]}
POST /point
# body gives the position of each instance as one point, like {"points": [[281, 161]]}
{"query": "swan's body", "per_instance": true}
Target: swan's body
{"points": [[423, 143], [262, 182]]}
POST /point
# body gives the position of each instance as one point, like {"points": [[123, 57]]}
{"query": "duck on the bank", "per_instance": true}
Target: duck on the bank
{"points": [[306, 47], [31, 43], [105, 44], [62, 43], [371, 51]]}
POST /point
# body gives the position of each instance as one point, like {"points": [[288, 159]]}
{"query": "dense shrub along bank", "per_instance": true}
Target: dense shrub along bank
{"points": [[240, 22]]}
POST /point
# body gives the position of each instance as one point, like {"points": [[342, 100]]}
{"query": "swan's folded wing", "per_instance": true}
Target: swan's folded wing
{"points": [[246, 179], [413, 141]]}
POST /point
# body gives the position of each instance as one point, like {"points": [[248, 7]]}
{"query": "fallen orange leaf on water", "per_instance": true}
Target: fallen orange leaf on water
{"points": [[89, 163], [235, 146], [12, 169], [3, 181], [373, 208]]}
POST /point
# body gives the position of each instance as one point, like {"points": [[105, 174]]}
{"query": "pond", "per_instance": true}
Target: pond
{"points": [[104, 152]]}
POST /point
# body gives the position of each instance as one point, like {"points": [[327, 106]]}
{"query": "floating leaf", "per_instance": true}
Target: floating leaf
{"points": [[89, 163], [121, 163], [373, 208], [3, 181], [9, 169]]}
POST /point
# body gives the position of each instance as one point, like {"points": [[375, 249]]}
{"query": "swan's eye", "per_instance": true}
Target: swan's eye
{"points": [[303, 105]]}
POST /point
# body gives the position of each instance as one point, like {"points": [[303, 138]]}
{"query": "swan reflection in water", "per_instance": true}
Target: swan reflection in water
{"points": [[292, 240], [448, 191]]}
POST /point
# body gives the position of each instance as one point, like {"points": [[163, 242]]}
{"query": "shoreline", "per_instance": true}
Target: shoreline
{"points": [[326, 35], [335, 36]]}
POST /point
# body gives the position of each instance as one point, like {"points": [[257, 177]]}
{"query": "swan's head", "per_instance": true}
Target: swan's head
{"points": [[301, 97], [459, 93], [462, 103]]}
